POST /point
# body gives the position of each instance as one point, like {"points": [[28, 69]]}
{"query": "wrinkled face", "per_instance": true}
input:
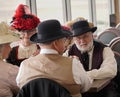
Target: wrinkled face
{"points": [[84, 42], [60, 45], [25, 37], [68, 42]]}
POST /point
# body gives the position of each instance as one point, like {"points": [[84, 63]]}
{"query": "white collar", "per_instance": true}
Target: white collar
{"points": [[48, 51]]}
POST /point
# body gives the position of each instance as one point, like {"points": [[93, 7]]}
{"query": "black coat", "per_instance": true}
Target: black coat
{"points": [[43, 87]]}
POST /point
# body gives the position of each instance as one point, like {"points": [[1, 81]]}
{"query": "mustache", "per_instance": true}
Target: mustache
{"points": [[87, 48], [83, 44]]}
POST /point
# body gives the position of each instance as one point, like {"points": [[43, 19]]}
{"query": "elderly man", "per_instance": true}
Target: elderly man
{"points": [[97, 59], [51, 64]]}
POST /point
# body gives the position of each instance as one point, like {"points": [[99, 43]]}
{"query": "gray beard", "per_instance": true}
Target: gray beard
{"points": [[87, 49]]}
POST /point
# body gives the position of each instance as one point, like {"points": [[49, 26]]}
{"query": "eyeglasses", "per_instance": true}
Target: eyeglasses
{"points": [[64, 39]]}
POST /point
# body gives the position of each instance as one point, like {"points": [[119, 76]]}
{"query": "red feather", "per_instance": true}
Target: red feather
{"points": [[19, 11], [23, 19]]}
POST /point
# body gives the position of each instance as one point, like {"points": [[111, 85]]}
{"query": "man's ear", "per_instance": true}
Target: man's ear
{"points": [[55, 44]]}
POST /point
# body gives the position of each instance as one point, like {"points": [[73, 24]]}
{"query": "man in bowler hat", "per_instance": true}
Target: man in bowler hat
{"points": [[49, 63], [97, 59]]}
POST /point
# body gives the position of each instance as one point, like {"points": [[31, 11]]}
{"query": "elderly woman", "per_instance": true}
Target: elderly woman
{"points": [[25, 23], [8, 72]]}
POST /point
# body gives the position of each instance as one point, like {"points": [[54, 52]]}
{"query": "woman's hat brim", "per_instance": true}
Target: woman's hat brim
{"points": [[8, 39]]}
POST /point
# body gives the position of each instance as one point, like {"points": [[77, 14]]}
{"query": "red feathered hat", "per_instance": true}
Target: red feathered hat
{"points": [[23, 20]]}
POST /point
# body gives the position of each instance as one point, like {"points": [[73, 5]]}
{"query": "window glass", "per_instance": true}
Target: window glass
{"points": [[50, 9], [102, 14], [7, 9], [79, 8]]}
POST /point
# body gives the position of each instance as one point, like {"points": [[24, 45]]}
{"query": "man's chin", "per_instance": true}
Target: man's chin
{"points": [[83, 50]]}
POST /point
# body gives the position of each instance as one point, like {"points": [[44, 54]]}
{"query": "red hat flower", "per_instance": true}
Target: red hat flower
{"points": [[23, 19]]}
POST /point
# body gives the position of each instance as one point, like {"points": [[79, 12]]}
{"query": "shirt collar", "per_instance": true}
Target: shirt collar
{"points": [[48, 51]]}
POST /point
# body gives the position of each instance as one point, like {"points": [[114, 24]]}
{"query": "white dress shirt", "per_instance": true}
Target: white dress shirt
{"points": [[108, 68]]}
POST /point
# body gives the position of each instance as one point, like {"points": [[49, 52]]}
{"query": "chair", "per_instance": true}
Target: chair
{"points": [[117, 78], [107, 35], [115, 44], [118, 26], [114, 30], [43, 87]]}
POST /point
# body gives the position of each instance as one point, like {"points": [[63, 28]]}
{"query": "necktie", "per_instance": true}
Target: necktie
{"points": [[85, 60]]}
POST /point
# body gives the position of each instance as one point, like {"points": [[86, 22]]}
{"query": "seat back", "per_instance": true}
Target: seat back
{"points": [[117, 78], [43, 87], [115, 44], [118, 26], [107, 35]]}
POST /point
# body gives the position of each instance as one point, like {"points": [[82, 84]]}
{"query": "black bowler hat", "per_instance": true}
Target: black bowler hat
{"points": [[48, 31], [81, 27]]}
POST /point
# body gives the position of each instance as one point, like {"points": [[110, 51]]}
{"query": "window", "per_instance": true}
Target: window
{"points": [[102, 14], [7, 9], [79, 8], [49, 9]]}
